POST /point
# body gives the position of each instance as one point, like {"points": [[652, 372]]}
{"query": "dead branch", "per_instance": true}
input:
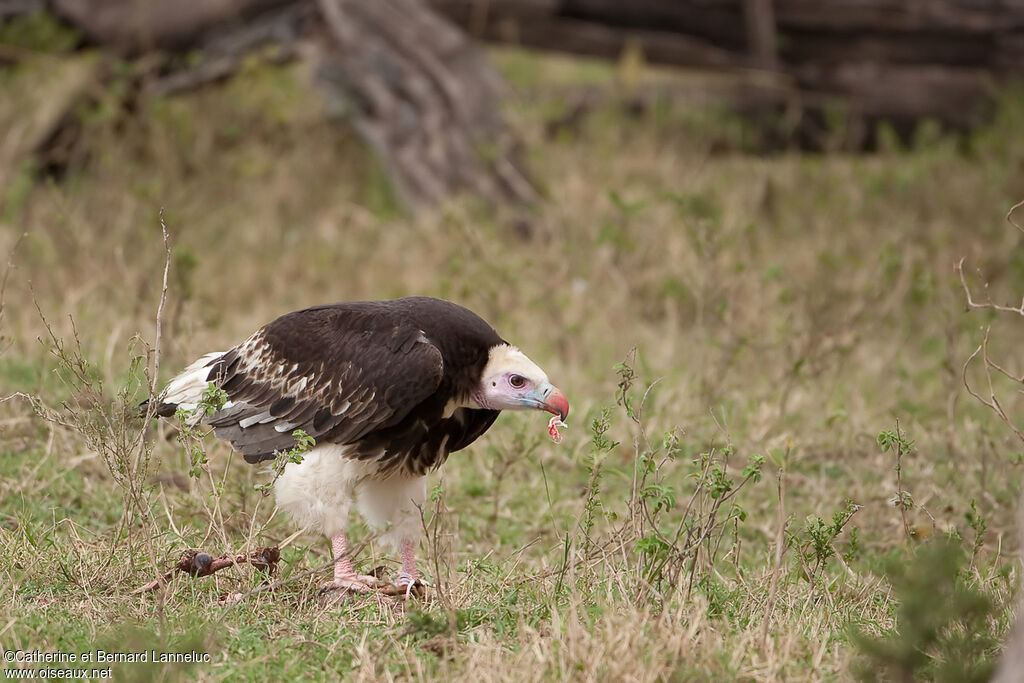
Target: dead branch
{"points": [[780, 548], [197, 563], [992, 402], [427, 107], [1009, 215], [989, 304], [1013, 652], [412, 84], [988, 364]]}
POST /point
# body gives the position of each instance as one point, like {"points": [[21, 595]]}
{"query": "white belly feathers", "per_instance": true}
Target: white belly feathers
{"points": [[318, 494]]}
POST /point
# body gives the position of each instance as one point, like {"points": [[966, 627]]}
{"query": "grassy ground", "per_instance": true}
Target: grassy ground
{"points": [[721, 505]]}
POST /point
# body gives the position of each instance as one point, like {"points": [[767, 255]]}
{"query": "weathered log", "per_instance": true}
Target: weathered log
{"points": [[721, 18], [950, 49], [37, 103], [960, 16], [413, 84], [958, 97], [133, 26], [598, 40], [224, 47], [17, 8], [424, 98], [761, 40], [1011, 662], [895, 60]]}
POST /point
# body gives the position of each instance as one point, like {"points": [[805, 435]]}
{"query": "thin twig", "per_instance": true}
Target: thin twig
{"points": [[1009, 215], [992, 401], [971, 303], [780, 537], [160, 310], [900, 498], [7, 271]]}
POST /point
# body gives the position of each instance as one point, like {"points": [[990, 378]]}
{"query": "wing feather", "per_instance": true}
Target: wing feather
{"points": [[338, 373]]}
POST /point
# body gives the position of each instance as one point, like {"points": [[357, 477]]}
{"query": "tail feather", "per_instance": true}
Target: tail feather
{"points": [[185, 390], [162, 409]]}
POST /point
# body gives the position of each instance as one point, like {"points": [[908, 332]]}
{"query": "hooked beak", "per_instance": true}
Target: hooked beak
{"points": [[550, 398]]}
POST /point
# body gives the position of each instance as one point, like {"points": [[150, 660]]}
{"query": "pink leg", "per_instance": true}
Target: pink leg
{"points": [[344, 575], [408, 575], [343, 566]]}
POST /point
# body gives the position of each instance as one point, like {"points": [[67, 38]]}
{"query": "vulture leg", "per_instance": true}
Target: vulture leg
{"points": [[393, 505], [408, 583], [408, 576], [344, 576]]}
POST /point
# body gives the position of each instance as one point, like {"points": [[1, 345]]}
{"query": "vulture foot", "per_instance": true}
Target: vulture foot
{"points": [[406, 587], [355, 583]]}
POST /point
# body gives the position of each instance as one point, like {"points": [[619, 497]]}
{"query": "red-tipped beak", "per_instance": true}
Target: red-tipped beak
{"points": [[557, 404]]}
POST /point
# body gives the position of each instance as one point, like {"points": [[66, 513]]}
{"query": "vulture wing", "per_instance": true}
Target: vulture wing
{"points": [[336, 372]]}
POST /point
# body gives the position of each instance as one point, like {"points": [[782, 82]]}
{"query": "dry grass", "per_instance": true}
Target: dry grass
{"points": [[792, 306]]}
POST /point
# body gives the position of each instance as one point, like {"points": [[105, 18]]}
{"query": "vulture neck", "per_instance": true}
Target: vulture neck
{"points": [[458, 403]]}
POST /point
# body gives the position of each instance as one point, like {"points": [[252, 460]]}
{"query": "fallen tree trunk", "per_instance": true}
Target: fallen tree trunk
{"points": [[424, 98], [897, 60], [722, 22], [413, 85], [137, 26]]}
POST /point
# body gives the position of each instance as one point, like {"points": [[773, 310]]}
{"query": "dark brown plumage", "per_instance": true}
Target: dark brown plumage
{"points": [[378, 374]]}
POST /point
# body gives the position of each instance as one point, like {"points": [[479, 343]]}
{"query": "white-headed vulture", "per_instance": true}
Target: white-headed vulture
{"points": [[387, 389]]}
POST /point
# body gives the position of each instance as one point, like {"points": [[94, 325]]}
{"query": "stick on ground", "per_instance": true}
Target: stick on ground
{"points": [[197, 563]]}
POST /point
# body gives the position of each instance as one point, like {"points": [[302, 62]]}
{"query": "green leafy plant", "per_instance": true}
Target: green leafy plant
{"points": [[303, 444], [601, 446], [979, 526], [677, 547], [815, 543], [944, 628], [189, 436], [897, 442]]}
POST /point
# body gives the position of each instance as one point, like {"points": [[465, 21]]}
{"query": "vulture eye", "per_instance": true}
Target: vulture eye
{"points": [[517, 381]]}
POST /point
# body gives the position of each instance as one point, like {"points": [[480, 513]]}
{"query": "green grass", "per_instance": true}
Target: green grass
{"points": [[792, 308]]}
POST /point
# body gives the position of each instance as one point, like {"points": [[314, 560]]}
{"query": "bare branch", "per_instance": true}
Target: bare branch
{"points": [[7, 271], [160, 309], [1009, 215], [780, 549], [1019, 310], [992, 402], [197, 563]]}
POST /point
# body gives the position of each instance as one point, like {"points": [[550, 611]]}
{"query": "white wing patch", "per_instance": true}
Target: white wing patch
{"points": [[262, 418], [186, 390], [256, 356]]}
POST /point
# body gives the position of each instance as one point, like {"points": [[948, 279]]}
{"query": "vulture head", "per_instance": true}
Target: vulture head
{"points": [[511, 381]]}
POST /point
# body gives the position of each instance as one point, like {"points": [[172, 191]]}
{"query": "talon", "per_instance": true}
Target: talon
{"points": [[406, 586], [356, 583], [407, 582]]}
